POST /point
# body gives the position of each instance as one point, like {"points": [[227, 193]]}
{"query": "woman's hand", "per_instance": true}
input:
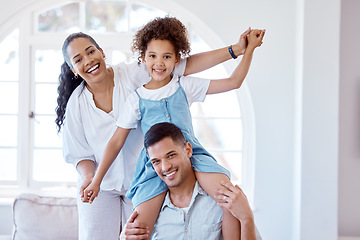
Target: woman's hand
{"points": [[86, 169], [92, 191], [84, 185], [234, 199], [240, 47]]}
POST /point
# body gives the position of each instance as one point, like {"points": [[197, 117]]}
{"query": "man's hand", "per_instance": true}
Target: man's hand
{"points": [[134, 231]]}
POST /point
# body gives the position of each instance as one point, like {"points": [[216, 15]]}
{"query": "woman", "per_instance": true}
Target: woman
{"points": [[91, 95]]}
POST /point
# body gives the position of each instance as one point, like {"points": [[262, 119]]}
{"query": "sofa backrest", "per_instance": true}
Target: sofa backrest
{"points": [[42, 218]]}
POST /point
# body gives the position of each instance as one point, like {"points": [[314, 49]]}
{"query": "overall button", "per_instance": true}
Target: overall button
{"points": [[164, 100], [167, 115]]}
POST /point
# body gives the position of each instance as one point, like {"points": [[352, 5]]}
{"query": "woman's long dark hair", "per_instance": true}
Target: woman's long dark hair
{"points": [[67, 80]]}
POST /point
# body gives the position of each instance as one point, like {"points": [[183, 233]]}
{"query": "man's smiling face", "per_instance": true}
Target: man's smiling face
{"points": [[171, 161]]}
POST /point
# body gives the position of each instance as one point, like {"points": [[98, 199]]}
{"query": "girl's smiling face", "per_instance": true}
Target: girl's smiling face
{"points": [[86, 60], [160, 60]]}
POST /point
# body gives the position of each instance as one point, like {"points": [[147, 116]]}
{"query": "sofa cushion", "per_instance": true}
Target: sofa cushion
{"points": [[38, 218]]}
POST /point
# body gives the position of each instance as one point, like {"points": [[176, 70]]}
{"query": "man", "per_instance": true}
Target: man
{"points": [[188, 212]]}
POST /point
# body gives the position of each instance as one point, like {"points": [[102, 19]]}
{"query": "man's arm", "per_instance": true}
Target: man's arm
{"points": [[205, 60], [234, 199]]}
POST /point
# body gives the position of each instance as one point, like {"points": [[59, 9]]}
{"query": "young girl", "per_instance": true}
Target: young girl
{"points": [[166, 98]]}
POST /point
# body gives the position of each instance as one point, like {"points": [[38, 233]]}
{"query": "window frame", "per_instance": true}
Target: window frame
{"points": [[31, 39]]}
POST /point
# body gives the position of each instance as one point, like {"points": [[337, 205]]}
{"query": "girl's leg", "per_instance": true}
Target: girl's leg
{"points": [[149, 211], [210, 182]]}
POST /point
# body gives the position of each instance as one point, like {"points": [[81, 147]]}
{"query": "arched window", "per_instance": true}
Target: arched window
{"points": [[30, 148]]}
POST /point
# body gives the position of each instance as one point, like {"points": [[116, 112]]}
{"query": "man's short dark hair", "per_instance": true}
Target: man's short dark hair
{"points": [[163, 130]]}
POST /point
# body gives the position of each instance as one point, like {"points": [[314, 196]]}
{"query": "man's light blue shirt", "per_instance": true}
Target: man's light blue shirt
{"points": [[202, 220]]}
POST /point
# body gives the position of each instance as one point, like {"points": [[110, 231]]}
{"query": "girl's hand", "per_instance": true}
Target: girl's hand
{"points": [[234, 199], [255, 38], [91, 192], [243, 42], [134, 230]]}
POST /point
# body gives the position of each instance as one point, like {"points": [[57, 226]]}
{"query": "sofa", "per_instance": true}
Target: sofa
{"points": [[44, 218]]}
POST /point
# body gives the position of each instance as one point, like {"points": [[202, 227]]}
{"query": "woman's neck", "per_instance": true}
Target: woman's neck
{"points": [[103, 92], [104, 86]]}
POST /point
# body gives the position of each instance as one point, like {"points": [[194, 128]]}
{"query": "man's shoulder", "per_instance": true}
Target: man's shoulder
{"points": [[203, 202]]}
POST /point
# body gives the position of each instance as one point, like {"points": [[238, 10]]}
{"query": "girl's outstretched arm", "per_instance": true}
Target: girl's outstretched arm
{"points": [[112, 149], [255, 38], [205, 60]]}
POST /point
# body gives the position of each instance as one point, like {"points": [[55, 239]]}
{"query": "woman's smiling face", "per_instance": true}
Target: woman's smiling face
{"points": [[86, 59]]}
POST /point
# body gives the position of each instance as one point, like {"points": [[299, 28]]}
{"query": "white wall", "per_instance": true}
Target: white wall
{"points": [[349, 138], [318, 101], [271, 83], [5, 219], [294, 84], [287, 83]]}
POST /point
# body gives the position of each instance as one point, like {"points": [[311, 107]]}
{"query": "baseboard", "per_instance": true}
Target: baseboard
{"points": [[349, 238]]}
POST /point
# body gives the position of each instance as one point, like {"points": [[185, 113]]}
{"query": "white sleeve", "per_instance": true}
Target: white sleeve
{"points": [[130, 113], [75, 145], [195, 88], [180, 68], [133, 74]]}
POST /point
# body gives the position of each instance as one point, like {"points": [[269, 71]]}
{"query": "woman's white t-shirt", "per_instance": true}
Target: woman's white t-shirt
{"points": [[87, 129]]}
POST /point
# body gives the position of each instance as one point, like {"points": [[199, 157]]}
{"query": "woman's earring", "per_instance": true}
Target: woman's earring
{"points": [[75, 74]]}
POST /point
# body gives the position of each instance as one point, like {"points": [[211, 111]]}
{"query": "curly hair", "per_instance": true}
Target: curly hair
{"points": [[67, 80], [166, 28]]}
